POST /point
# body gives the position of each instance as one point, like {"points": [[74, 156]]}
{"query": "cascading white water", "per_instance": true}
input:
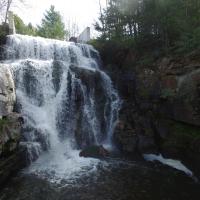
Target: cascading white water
{"points": [[67, 101]]}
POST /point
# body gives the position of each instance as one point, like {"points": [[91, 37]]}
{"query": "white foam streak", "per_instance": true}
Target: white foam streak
{"points": [[170, 162], [56, 166]]}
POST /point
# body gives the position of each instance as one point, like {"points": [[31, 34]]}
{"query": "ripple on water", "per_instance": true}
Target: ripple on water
{"points": [[112, 179]]}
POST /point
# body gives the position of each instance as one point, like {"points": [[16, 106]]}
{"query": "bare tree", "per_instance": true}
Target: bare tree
{"points": [[72, 28], [9, 2], [102, 16], [6, 5], [2, 4], [2, 8]]}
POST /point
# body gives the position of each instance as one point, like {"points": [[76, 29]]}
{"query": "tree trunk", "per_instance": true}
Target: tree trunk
{"points": [[7, 9]]}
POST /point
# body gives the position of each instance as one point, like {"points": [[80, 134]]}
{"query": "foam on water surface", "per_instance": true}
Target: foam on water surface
{"points": [[170, 162], [67, 103]]}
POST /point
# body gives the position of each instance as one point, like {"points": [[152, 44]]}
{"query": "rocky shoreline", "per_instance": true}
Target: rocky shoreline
{"points": [[10, 128], [161, 110]]}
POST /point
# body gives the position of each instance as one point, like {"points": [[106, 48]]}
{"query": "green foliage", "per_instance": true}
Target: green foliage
{"points": [[3, 31], [167, 93], [3, 122], [23, 29], [187, 130], [113, 51], [188, 41], [19, 25], [52, 25], [164, 25], [145, 60], [184, 137]]}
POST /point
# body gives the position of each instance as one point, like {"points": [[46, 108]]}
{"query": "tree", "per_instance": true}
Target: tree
{"points": [[6, 5], [152, 24], [52, 25], [9, 2], [23, 29], [19, 25], [2, 4], [72, 29]]}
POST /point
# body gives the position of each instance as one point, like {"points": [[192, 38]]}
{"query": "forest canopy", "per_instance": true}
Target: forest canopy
{"points": [[168, 25], [52, 25]]}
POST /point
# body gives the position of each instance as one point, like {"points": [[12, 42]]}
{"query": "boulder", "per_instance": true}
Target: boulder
{"points": [[11, 156], [161, 111], [7, 90], [10, 129], [73, 39], [10, 165], [11, 160], [94, 151], [125, 137]]}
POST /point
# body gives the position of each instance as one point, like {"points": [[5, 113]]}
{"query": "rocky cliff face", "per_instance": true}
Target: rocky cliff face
{"points": [[10, 127], [7, 91], [161, 107]]}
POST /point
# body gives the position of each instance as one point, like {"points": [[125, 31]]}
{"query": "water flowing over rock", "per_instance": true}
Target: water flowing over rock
{"points": [[66, 100]]}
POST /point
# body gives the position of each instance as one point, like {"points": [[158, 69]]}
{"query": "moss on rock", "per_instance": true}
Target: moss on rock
{"points": [[10, 128], [183, 138], [3, 122]]}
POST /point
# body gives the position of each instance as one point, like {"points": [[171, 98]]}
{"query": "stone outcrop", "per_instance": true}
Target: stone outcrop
{"points": [[94, 151], [11, 156], [161, 107], [7, 91], [10, 127], [4, 30]]}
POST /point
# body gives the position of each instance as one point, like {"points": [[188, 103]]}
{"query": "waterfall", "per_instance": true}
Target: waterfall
{"points": [[66, 100]]}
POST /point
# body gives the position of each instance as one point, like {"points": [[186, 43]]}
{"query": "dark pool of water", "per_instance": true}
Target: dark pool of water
{"points": [[118, 181]]}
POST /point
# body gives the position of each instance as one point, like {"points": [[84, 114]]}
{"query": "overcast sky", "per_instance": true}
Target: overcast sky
{"points": [[84, 12]]}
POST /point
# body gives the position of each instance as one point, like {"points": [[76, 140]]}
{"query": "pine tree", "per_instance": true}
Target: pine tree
{"points": [[52, 25], [162, 25]]}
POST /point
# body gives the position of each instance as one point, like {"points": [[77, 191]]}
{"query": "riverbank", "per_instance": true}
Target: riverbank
{"points": [[160, 111], [112, 179]]}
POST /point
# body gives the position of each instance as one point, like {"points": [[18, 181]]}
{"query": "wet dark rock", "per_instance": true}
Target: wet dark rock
{"points": [[11, 159], [56, 75], [31, 82], [4, 31], [91, 81], [11, 156], [10, 165], [125, 137], [73, 39], [94, 151], [10, 128], [160, 110]]}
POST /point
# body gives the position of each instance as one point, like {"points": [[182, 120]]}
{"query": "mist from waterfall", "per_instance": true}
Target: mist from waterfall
{"points": [[66, 100]]}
